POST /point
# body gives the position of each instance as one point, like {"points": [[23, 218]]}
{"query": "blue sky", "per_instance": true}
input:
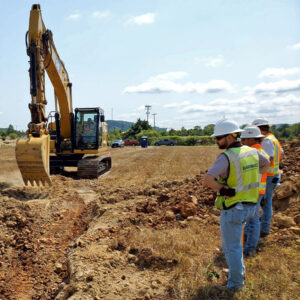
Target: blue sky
{"points": [[193, 61]]}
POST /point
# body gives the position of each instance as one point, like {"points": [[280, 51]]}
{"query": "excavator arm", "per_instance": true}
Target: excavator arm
{"points": [[44, 57], [32, 154]]}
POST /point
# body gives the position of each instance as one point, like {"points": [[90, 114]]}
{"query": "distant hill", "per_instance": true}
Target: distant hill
{"points": [[124, 125]]}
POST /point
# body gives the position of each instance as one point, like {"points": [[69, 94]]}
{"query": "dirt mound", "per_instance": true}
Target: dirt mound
{"points": [[286, 197]]}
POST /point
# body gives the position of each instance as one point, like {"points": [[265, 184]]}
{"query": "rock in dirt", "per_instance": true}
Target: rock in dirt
{"points": [[297, 219], [284, 221], [296, 230], [187, 209], [194, 200], [286, 189], [169, 216]]}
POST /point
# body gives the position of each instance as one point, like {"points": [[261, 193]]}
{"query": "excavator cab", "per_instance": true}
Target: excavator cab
{"points": [[87, 127]]}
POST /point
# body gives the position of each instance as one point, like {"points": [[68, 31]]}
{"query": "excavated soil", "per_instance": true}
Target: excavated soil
{"points": [[72, 240]]}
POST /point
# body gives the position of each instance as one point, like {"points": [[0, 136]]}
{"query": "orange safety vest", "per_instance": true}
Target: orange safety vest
{"points": [[263, 177], [274, 166]]}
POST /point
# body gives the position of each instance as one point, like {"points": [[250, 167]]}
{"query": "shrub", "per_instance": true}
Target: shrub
{"points": [[190, 141], [13, 135], [206, 140]]}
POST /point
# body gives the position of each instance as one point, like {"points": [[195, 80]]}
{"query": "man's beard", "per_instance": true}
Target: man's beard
{"points": [[222, 146]]}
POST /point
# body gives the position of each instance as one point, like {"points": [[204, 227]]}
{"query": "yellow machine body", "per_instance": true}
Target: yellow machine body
{"points": [[59, 136]]}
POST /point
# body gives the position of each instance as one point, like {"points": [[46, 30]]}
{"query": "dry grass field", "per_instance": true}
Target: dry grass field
{"points": [[145, 230]]}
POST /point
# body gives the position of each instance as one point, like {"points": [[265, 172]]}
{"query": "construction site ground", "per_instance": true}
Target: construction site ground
{"points": [[147, 229]]}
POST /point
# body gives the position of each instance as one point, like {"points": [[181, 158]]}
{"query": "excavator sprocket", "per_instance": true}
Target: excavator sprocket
{"points": [[93, 166], [32, 156]]}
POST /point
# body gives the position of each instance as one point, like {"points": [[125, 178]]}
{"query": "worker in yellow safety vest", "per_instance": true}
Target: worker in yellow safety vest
{"points": [[273, 148], [252, 137], [235, 178]]}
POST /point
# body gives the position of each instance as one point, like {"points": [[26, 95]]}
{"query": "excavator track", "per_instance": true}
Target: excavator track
{"points": [[93, 166]]}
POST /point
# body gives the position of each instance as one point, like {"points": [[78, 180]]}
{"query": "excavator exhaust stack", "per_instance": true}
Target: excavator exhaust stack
{"points": [[32, 156]]}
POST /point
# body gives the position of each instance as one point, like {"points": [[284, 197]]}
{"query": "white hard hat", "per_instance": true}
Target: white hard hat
{"points": [[260, 122], [251, 132], [226, 126]]}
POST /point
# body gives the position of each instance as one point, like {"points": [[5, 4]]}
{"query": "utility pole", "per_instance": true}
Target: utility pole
{"points": [[147, 107], [112, 113], [154, 119]]}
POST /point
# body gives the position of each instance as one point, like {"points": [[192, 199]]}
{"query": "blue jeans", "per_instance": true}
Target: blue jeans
{"points": [[266, 216], [231, 223], [252, 230]]}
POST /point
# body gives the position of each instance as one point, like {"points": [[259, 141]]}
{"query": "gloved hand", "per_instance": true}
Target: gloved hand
{"points": [[227, 192]]}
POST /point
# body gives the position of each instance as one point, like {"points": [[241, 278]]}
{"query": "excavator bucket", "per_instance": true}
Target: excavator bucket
{"points": [[32, 156]]}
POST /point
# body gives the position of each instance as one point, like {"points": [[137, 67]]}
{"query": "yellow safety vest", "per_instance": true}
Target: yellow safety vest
{"points": [[274, 167], [243, 176]]}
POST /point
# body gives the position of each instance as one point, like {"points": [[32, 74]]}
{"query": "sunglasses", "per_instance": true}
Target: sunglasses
{"points": [[218, 138]]}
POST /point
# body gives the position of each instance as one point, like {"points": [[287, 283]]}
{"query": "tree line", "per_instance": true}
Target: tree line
{"points": [[196, 135], [182, 136], [11, 133]]}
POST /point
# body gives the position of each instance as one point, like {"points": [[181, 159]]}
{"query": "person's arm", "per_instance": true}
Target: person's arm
{"points": [[268, 147], [281, 153], [211, 182], [264, 163], [218, 169]]}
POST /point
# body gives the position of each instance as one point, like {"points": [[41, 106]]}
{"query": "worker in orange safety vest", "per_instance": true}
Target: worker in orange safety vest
{"points": [[252, 137], [273, 148]]}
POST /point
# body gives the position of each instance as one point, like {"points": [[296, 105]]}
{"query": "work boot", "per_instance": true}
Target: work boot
{"points": [[248, 254], [263, 234], [224, 288]]}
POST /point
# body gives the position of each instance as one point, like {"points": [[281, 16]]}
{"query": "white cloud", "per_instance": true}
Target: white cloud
{"points": [[288, 100], [129, 116], [294, 47], [176, 105], [142, 107], [199, 108], [233, 102], [277, 87], [143, 19], [169, 76], [212, 62], [100, 14], [74, 17], [245, 109], [164, 83], [278, 72]]}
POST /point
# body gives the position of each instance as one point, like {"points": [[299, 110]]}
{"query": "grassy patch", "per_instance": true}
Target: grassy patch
{"points": [[272, 274]]}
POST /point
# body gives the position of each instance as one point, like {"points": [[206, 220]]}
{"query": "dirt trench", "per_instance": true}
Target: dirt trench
{"points": [[35, 240]]}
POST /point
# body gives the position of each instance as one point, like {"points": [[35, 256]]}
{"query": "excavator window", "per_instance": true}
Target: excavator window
{"points": [[87, 129]]}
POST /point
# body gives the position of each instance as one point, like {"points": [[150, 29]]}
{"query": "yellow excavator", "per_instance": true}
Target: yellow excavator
{"points": [[64, 138]]}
